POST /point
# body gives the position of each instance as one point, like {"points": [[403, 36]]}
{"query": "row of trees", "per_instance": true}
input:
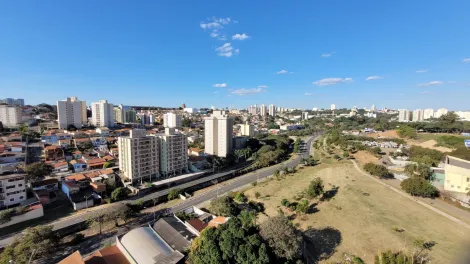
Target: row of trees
{"points": [[378, 170]]}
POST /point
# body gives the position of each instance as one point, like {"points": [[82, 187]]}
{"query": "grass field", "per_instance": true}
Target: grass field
{"points": [[361, 217]]}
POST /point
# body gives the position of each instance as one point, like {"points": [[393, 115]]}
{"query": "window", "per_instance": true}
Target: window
{"points": [[12, 199], [21, 197], [468, 179], [458, 187], [10, 187], [452, 186], [19, 185]]}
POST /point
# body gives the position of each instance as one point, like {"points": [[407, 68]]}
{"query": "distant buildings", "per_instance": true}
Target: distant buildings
{"points": [[332, 107], [372, 108], [253, 110], [218, 134], [71, 111], [173, 153], [272, 110], [247, 130], [428, 113], [464, 116], [304, 115], [130, 116], [12, 189], [102, 114], [440, 112], [10, 115], [262, 110], [404, 115], [418, 115], [11, 101], [121, 114], [190, 110], [171, 120]]}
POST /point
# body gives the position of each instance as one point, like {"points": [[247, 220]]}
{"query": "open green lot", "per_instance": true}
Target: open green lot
{"points": [[362, 217]]}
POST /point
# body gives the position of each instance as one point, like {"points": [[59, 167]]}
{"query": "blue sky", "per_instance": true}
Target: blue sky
{"points": [[289, 53]]}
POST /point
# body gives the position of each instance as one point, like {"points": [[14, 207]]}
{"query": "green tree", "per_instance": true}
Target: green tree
{"points": [[282, 237], [377, 170], [174, 193], [241, 197], [6, 215], [418, 170], [315, 188], [302, 207], [417, 186], [257, 195], [118, 194], [247, 219], [407, 132], [38, 170], [108, 164], [223, 206]]}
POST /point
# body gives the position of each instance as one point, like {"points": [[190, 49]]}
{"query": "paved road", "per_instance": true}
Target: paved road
{"points": [[239, 181]]}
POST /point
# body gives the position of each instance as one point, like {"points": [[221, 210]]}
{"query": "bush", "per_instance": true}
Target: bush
{"points": [[118, 194], [224, 206], [407, 132], [183, 216], [315, 188], [378, 170], [285, 202], [450, 141], [241, 197], [6, 215], [417, 186], [257, 195], [174, 193], [430, 157], [77, 239]]}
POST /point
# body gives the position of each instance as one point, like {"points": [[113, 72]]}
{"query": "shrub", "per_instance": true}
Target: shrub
{"points": [[417, 186], [285, 202], [183, 216], [174, 193], [378, 170], [241, 197], [6, 215], [257, 195], [118, 194], [406, 132], [430, 157], [315, 188]]}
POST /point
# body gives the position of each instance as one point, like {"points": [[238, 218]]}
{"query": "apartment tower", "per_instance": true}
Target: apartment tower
{"points": [[218, 134], [71, 111]]}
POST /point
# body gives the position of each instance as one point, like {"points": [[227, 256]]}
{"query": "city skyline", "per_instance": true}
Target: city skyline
{"points": [[348, 56]]}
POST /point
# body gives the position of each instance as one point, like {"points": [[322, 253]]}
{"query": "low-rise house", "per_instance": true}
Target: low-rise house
{"points": [[12, 189], [47, 184], [78, 142], [79, 165], [195, 152], [60, 166], [457, 175], [103, 131], [77, 154], [64, 143], [98, 141], [95, 163], [53, 153], [114, 152]]}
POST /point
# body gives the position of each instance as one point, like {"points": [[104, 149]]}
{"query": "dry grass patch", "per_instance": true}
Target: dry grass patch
{"points": [[363, 216]]}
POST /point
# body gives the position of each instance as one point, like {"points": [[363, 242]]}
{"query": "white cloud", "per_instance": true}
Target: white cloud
{"points": [[452, 82], [220, 85], [466, 60], [262, 86], [210, 25], [326, 55], [227, 50], [244, 91], [422, 71], [430, 83], [424, 92], [283, 72], [214, 34], [370, 78], [332, 81], [240, 36], [308, 94]]}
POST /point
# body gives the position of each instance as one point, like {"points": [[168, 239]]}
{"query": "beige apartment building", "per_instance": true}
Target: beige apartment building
{"points": [[71, 111], [12, 189], [246, 130], [457, 175], [10, 115], [102, 114], [218, 129], [139, 156], [173, 153]]}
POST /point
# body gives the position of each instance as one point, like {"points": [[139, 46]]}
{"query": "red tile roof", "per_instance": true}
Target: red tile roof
{"points": [[197, 224], [76, 177]]}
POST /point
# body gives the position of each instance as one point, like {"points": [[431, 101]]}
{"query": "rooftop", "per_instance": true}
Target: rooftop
{"points": [[108, 255], [174, 232], [458, 162]]}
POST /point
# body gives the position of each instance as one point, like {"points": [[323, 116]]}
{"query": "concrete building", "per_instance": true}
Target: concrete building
{"points": [[404, 115], [272, 110], [71, 111], [102, 114], [372, 108], [10, 115], [139, 156], [247, 130], [171, 120], [131, 116], [173, 153], [463, 115], [304, 115], [440, 112], [12, 189], [428, 113], [190, 110], [457, 175], [332, 107], [218, 129], [119, 115], [418, 115], [262, 110], [11, 101]]}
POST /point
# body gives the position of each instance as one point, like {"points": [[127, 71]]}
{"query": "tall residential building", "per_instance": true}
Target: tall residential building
{"points": [[304, 115], [428, 113], [144, 118], [10, 115], [262, 110], [272, 110], [218, 129], [418, 115], [247, 130], [440, 112], [404, 115], [171, 120], [332, 107], [139, 158], [131, 116], [12, 189], [372, 108], [11, 101], [119, 115], [71, 111], [463, 115], [173, 153], [102, 114]]}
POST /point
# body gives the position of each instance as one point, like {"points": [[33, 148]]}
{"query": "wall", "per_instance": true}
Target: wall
{"points": [[36, 213], [458, 178], [82, 205], [402, 163]]}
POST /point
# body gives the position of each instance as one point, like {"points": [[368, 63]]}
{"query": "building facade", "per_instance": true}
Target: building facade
{"points": [[262, 110], [218, 129], [102, 114], [457, 175], [418, 115], [173, 153], [404, 115], [11, 101], [247, 130], [71, 111], [12, 189], [332, 107], [171, 120], [272, 110], [428, 113], [440, 112], [139, 158], [10, 115]]}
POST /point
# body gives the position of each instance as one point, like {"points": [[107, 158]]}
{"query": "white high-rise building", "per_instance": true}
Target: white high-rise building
{"points": [[139, 158], [102, 114], [218, 129], [71, 111], [440, 112], [404, 115], [463, 115], [332, 107], [119, 115], [10, 115], [272, 110], [372, 108], [428, 113], [262, 110], [246, 130], [171, 120], [418, 115], [315, 109], [173, 153]]}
